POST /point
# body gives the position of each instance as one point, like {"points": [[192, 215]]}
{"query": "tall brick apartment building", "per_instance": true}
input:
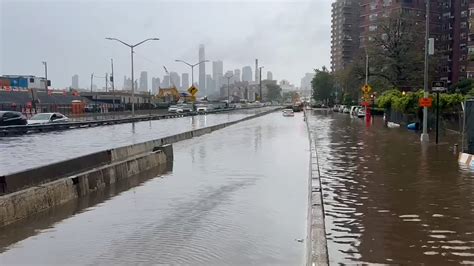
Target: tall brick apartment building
{"points": [[451, 25]]}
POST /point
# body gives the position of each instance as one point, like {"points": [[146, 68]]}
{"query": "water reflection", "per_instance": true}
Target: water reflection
{"points": [[47, 219], [389, 199]]}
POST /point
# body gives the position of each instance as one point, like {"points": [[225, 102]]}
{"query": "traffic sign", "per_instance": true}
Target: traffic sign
{"points": [[438, 86], [193, 90], [425, 102], [365, 104], [366, 89]]}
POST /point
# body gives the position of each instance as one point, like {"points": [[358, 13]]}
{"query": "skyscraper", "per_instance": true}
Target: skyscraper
{"points": [[237, 75], [143, 81], [306, 81], [345, 32], [155, 85], [217, 74], [75, 82], [175, 80], [247, 74], [166, 82], [269, 75], [202, 70], [210, 85], [185, 81]]}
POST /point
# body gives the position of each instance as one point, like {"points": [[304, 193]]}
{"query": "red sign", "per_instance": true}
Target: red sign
{"points": [[425, 102], [365, 104]]}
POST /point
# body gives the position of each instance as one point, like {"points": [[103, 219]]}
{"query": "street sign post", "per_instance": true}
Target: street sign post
{"points": [[193, 90], [437, 86]]}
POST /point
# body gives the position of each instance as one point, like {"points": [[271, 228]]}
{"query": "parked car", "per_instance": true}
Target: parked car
{"points": [[46, 118], [354, 110], [361, 112], [346, 110], [173, 109], [11, 118]]}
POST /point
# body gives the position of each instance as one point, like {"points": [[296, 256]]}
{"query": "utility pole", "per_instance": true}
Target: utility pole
{"points": [[424, 136], [113, 83], [106, 82]]}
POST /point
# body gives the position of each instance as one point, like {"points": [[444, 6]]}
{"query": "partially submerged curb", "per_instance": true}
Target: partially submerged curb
{"points": [[316, 244]]}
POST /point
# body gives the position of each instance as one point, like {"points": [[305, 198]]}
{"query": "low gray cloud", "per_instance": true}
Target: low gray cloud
{"points": [[289, 37]]}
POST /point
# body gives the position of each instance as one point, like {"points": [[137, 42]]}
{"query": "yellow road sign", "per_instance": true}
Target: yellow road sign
{"points": [[193, 90], [366, 89]]}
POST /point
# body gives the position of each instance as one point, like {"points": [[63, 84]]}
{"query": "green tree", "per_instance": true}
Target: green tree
{"points": [[323, 85], [274, 92], [395, 49]]}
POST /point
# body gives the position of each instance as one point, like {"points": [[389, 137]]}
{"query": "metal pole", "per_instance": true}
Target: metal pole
{"points": [[112, 80], [228, 91], [437, 116], [106, 81], [133, 85], [424, 136], [92, 95], [366, 67], [260, 78], [192, 76]]}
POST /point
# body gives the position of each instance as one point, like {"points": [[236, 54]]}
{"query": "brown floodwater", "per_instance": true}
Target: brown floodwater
{"points": [[387, 198]]}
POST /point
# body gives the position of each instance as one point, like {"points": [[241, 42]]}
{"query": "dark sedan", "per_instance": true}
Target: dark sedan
{"points": [[11, 118]]}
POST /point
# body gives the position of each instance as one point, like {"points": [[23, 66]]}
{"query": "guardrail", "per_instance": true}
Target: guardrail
{"points": [[28, 129]]}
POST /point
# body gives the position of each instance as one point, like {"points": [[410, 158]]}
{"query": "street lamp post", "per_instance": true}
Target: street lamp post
{"points": [[260, 83], [228, 77], [131, 46], [424, 136], [192, 68]]}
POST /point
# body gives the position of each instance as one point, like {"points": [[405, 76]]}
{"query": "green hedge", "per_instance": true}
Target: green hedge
{"points": [[408, 102]]}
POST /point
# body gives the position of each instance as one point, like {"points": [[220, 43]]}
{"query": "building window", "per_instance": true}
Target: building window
{"points": [[464, 13], [463, 25], [462, 68]]}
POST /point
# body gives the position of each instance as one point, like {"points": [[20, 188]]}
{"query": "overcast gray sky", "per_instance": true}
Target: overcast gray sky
{"points": [[290, 38]]}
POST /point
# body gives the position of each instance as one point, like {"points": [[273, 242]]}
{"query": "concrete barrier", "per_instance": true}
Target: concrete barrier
{"points": [[316, 244], [39, 175], [18, 205]]}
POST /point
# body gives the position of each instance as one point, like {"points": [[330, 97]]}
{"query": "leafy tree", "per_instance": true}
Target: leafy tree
{"points": [[395, 49], [463, 86], [274, 92], [323, 85]]}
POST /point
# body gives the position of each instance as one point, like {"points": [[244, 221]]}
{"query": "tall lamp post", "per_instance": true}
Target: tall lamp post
{"points": [[260, 83], [228, 77], [192, 68], [424, 136], [131, 55]]}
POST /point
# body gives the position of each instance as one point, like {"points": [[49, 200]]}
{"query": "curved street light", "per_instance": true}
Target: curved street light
{"points": [[131, 54], [192, 67]]}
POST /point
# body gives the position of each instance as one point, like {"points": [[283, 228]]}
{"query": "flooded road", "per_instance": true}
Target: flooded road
{"points": [[236, 196], [387, 199], [23, 152]]}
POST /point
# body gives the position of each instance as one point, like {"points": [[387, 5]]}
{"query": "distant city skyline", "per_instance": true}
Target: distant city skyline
{"points": [[261, 34]]}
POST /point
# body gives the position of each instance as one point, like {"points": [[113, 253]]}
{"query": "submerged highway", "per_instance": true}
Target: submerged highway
{"points": [[28, 151], [235, 196]]}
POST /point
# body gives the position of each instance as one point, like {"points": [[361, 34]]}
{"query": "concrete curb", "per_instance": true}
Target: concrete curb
{"points": [[316, 244]]}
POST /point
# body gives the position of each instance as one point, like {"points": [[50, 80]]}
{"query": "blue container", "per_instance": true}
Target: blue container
{"points": [[19, 82]]}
